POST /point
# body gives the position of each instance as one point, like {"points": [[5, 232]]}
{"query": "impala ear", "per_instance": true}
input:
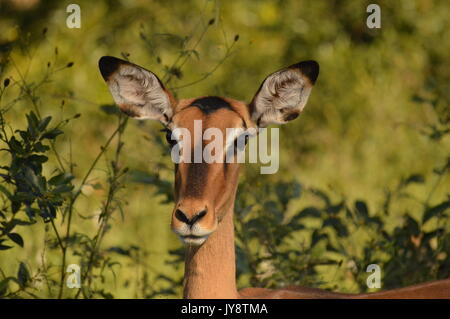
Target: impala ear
{"points": [[138, 92], [283, 94]]}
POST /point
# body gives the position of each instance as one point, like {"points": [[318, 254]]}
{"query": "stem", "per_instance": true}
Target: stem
{"points": [[208, 74], [106, 214], [168, 76], [72, 202]]}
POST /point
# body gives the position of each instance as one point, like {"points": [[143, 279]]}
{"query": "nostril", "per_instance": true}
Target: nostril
{"points": [[181, 216], [198, 217]]}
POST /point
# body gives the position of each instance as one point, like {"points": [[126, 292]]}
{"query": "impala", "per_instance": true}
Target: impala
{"points": [[205, 192]]}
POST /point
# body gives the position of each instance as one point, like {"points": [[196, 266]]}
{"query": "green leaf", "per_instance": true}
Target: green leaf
{"points": [[24, 135], [5, 191], [44, 123], [41, 148], [16, 238], [20, 222], [307, 212], [15, 145], [316, 237], [435, 210], [415, 178], [361, 208], [52, 134], [63, 189], [23, 275], [38, 158], [59, 179], [337, 224], [33, 123]]}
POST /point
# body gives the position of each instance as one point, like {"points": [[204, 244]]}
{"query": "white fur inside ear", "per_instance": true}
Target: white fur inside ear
{"points": [[283, 93], [139, 93]]}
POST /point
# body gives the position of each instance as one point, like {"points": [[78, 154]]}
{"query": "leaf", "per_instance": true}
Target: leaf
{"points": [[16, 238], [63, 188], [119, 250], [23, 275], [415, 178], [5, 191], [38, 158], [41, 148], [316, 237], [361, 208], [334, 209], [15, 145], [44, 123], [52, 134], [435, 210], [307, 212], [33, 123], [20, 222], [337, 224], [59, 179]]}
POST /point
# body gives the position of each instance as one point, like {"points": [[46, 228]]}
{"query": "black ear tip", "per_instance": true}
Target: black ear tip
{"points": [[108, 65], [310, 69]]}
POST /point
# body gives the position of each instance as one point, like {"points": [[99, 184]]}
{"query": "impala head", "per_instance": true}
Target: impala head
{"points": [[205, 190]]}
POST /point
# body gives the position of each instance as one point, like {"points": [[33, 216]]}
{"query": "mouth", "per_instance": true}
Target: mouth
{"points": [[193, 240]]}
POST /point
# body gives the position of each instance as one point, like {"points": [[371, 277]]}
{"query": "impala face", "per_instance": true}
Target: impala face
{"points": [[204, 190]]}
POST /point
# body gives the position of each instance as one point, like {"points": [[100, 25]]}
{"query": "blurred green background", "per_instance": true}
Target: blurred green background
{"points": [[378, 115]]}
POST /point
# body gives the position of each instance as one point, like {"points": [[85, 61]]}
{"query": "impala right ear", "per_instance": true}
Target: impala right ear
{"points": [[138, 92]]}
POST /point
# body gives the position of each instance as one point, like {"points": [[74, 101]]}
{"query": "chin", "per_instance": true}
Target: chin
{"points": [[193, 240]]}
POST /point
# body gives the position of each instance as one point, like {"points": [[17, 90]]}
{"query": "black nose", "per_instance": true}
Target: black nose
{"points": [[183, 218]]}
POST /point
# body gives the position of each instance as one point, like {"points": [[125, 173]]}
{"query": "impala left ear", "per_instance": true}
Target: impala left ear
{"points": [[283, 94], [137, 91]]}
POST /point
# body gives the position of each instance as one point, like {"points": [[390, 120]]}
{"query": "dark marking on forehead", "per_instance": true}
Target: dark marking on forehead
{"points": [[210, 104]]}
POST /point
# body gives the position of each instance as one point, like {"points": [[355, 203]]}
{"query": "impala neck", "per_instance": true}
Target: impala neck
{"points": [[210, 270]]}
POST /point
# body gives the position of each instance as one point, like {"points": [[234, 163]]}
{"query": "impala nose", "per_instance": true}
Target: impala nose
{"points": [[190, 221], [193, 221]]}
